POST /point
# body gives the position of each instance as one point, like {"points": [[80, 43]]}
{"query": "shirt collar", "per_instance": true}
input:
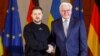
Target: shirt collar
{"points": [[65, 19]]}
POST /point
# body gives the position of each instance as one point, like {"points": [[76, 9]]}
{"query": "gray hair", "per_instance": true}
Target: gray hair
{"points": [[67, 4]]}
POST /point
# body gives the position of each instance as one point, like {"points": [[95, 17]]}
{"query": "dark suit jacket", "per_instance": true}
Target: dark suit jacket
{"points": [[75, 44], [36, 37]]}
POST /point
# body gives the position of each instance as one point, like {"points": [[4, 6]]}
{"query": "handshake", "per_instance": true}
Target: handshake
{"points": [[50, 49]]}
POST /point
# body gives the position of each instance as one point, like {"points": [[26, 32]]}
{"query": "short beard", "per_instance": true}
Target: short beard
{"points": [[37, 22]]}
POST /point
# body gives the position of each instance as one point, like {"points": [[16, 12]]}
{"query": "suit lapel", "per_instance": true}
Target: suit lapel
{"points": [[71, 24], [61, 30]]}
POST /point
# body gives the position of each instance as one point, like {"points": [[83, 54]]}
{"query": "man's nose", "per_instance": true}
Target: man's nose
{"points": [[65, 11], [37, 15]]}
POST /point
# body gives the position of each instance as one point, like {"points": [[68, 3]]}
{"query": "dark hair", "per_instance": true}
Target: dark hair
{"points": [[37, 7]]}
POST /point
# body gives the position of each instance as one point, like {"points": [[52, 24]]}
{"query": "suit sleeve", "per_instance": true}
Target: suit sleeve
{"points": [[83, 39], [52, 37], [30, 41]]}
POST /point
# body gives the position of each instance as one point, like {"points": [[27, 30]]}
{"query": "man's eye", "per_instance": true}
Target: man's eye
{"points": [[39, 13]]}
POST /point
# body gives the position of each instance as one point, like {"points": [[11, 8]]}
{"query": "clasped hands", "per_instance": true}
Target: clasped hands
{"points": [[50, 49]]}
